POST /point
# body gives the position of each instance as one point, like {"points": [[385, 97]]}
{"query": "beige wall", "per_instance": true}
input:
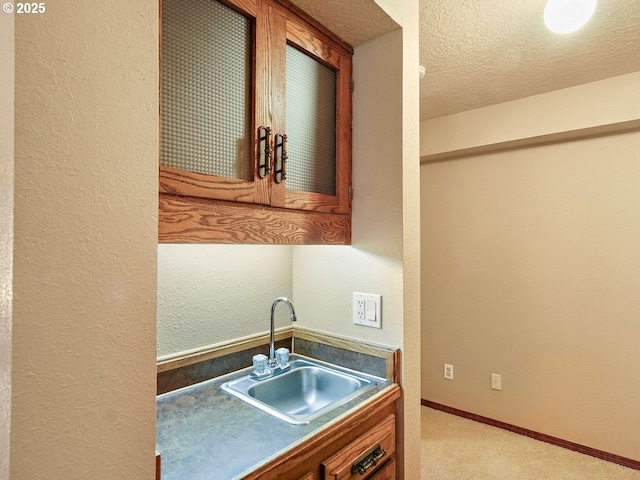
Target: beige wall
{"points": [[84, 277], [411, 260], [530, 270], [326, 277], [209, 294], [7, 86]]}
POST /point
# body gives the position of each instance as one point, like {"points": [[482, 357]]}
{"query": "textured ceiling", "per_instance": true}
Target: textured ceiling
{"points": [[354, 21], [482, 52]]}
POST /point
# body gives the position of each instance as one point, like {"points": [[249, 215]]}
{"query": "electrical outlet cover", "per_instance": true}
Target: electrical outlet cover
{"points": [[496, 381], [448, 371], [367, 309]]}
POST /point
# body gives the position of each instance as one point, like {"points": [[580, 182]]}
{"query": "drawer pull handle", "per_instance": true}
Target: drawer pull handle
{"points": [[369, 459]]}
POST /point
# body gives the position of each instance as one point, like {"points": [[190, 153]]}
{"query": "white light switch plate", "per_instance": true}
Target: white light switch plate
{"points": [[367, 309]]}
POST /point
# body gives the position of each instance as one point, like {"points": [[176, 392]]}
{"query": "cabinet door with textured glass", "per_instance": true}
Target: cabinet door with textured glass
{"points": [[312, 155], [208, 144]]}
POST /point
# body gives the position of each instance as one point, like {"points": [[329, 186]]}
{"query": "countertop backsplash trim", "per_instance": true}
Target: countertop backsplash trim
{"points": [[212, 361], [189, 357]]}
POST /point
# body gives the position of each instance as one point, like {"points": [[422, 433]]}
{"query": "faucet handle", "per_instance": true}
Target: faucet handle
{"points": [[282, 357], [260, 367]]}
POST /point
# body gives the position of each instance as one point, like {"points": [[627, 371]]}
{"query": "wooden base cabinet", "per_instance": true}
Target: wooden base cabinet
{"points": [[365, 438], [365, 455]]}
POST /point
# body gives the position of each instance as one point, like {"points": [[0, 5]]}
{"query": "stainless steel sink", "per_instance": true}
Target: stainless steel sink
{"points": [[305, 391]]}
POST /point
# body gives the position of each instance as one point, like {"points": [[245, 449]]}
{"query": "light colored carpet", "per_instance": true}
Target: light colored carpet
{"points": [[455, 448]]}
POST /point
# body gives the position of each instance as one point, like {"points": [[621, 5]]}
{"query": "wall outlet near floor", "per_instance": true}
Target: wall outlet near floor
{"points": [[367, 309], [448, 371], [496, 381]]}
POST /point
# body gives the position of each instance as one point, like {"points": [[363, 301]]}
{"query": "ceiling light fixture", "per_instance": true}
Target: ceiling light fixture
{"points": [[566, 16]]}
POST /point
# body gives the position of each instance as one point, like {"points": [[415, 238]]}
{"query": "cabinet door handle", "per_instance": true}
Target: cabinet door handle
{"points": [[281, 158], [369, 459], [264, 151]]}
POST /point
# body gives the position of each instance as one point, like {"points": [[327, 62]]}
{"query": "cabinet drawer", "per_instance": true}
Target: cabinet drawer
{"points": [[339, 466], [387, 472]]}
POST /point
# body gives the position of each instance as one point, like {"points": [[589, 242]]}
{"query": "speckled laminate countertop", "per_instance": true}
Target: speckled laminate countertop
{"points": [[204, 434]]}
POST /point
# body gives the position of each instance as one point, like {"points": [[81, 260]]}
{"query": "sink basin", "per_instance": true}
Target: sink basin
{"points": [[305, 391]]}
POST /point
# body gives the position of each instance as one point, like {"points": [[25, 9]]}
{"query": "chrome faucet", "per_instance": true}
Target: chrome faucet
{"points": [[272, 335]]}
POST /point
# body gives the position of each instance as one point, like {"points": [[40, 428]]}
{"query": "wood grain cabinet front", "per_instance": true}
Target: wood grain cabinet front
{"points": [[308, 476], [386, 472], [255, 125], [364, 456]]}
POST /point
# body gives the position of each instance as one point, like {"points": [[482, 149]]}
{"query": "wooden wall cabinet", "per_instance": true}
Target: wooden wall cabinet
{"points": [[311, 203]]}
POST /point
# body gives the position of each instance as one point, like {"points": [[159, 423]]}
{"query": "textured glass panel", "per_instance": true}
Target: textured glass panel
{"points": [[311, 124], [206, 88]]}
